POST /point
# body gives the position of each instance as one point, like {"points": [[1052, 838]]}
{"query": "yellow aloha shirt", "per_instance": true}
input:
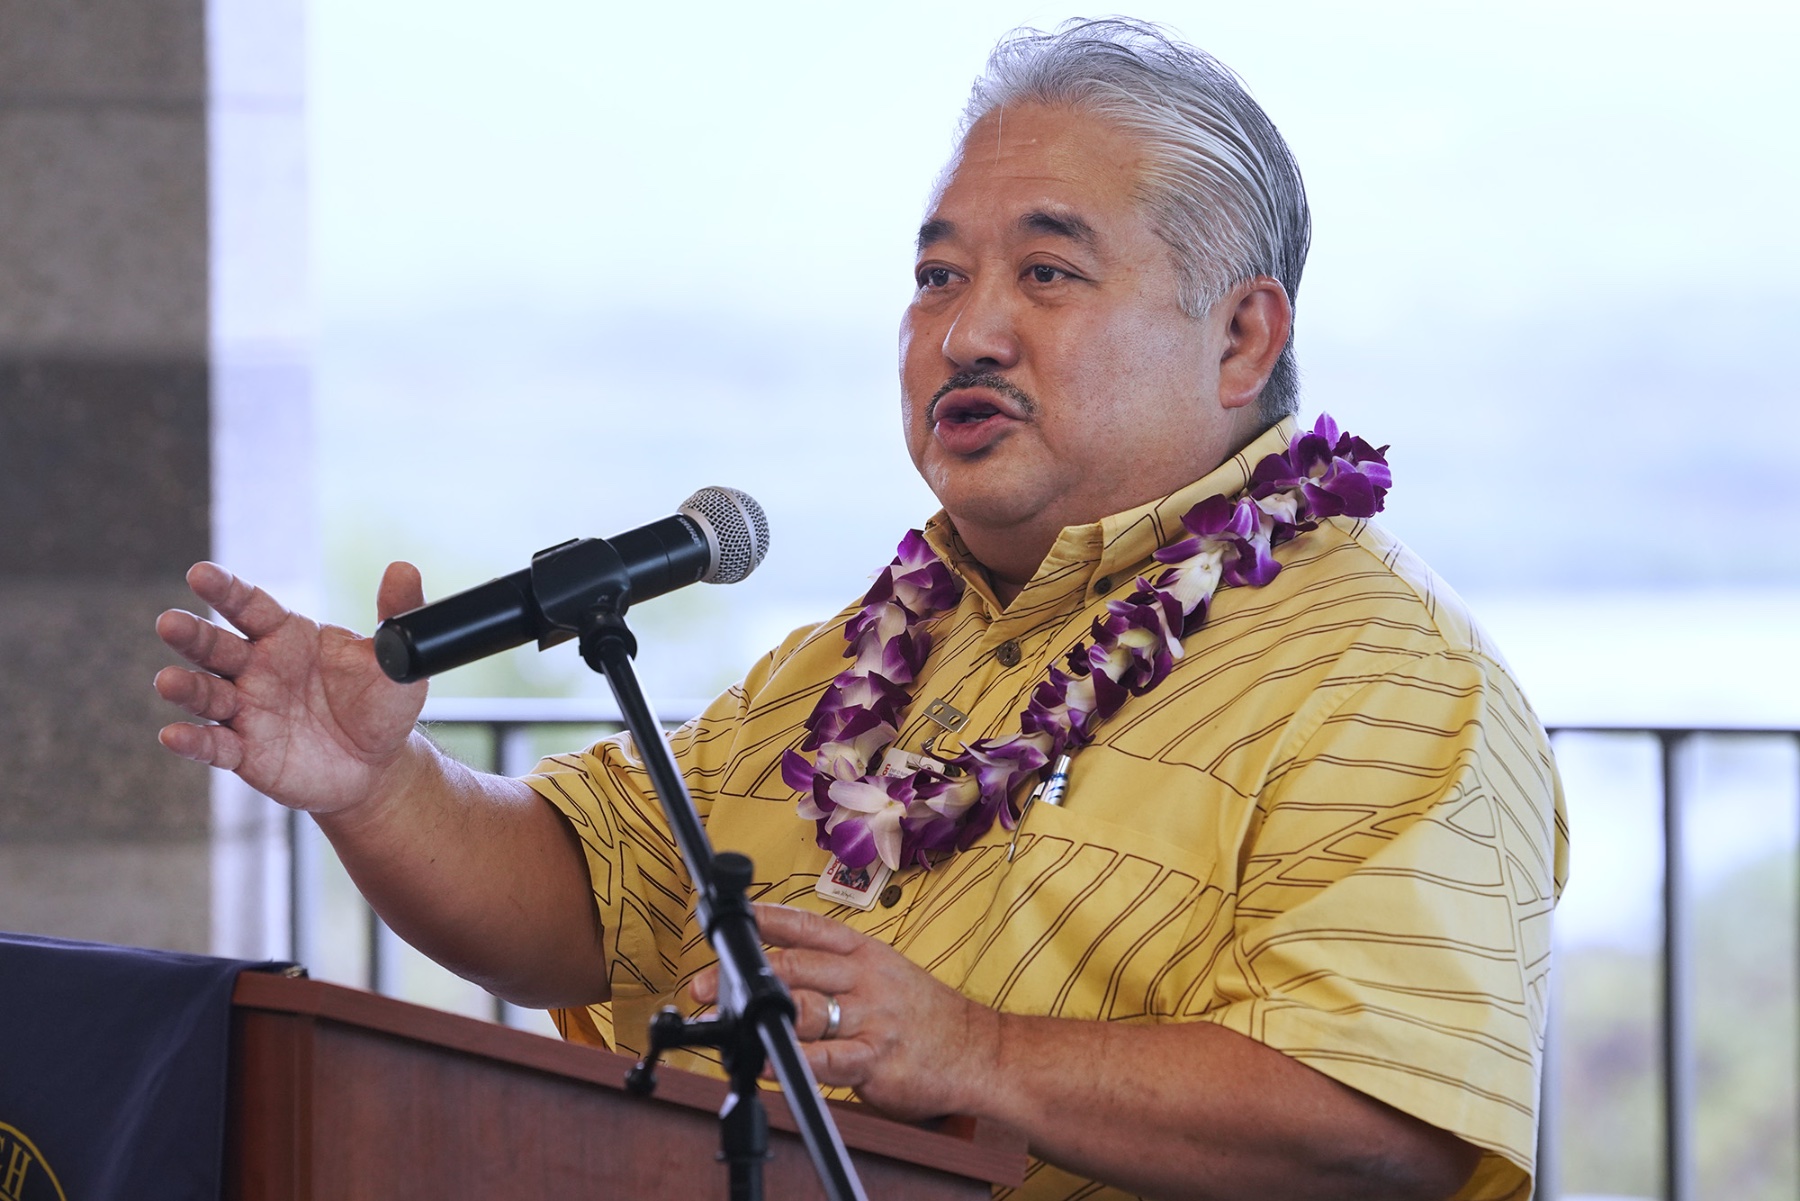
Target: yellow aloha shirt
{"points": [[1336, 828]]}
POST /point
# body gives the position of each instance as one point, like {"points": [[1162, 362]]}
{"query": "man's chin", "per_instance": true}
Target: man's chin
{"points": [[997, 490], [994, 512]]}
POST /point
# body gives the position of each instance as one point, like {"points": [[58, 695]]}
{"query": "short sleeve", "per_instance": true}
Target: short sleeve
{"points": [[1392, 928]]}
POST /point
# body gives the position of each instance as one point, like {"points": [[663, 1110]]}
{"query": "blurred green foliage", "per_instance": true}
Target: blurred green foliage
{"points": [[1745, 1039]]}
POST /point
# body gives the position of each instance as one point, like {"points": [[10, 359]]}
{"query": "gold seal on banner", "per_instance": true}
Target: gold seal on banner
{"points": [[24, 1176]]}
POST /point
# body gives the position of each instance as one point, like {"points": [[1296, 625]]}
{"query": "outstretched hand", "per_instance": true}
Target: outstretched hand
{"points": [[303, 712], [911, 1046]]}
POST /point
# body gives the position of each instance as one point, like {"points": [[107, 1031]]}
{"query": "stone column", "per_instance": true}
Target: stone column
{"points": [[104, 461]]}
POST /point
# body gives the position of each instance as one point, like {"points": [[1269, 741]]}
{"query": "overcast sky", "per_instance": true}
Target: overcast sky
{"points": [[776, 155], [575, 260]]}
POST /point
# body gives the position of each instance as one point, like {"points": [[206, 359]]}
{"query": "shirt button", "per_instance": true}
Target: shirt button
{"points": [[890, 896], [1007, 653], [1103, 585]]}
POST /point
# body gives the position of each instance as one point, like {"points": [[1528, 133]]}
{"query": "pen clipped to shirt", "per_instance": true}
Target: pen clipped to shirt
{"points": [[1051, 790]]}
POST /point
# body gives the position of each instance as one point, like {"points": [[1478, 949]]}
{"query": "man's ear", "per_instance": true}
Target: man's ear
{"points": [[1258, 320]]}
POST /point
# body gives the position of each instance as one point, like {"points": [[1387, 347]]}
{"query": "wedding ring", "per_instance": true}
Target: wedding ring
{"points": [[834, 1014]]}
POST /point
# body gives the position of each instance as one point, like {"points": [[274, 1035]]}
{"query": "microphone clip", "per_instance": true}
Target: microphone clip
{"points": [[576, 582], [583, 588]]}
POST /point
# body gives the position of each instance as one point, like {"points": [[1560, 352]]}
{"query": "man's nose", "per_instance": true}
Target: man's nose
{"points": [[983, 336]]}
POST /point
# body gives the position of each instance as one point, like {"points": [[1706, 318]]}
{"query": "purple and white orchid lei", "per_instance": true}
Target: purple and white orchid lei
{"points": [[908, 818]]}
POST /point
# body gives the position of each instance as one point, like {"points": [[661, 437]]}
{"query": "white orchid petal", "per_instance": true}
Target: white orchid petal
{"points": [[1139, 637], [885, 826], [860, 795]]}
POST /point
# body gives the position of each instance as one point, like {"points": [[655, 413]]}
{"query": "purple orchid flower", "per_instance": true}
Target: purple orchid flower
{"points": [[873, 691], [1054, 713], [926, 834], [1218, 517], [998, 765], [1132, 640], [882, 640], [1109, 698], [1180, 552], [847, 725], [1338, 473], [1251, 562], [866, 822], [926, 586], [1342, 489]]}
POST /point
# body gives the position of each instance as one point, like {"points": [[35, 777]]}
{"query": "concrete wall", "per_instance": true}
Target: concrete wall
{"points": [[104, 461]]}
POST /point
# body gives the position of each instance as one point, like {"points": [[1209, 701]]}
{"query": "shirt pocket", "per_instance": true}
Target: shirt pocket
{"points": [[1113, 917]]}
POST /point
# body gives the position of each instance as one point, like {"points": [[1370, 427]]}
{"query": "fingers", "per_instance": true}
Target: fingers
{"points": [[401, 590], [821, 973], [202, 643], [216, 745], [812, 1015], [241, 603], [812, 1008], [837, 1062], [201, 694], [782, 926], [805, 970], [813, 957], [705, 986]]}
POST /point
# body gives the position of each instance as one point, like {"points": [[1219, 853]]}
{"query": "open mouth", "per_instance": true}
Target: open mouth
{"points": [[974, 411], [966, 414], [970, 422]]}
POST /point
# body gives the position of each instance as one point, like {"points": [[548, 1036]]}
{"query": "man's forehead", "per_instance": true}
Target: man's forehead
{"points": [[1054, 222], [1036, 171]]}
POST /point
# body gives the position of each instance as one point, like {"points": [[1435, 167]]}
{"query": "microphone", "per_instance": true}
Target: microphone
{"points": [[718, 536]]}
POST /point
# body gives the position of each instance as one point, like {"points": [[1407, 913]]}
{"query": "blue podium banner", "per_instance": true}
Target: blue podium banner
{"points": [[113, 1069]]}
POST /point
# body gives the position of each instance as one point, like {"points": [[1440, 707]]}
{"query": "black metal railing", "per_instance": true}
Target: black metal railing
{"points": [[1676, 1042]]}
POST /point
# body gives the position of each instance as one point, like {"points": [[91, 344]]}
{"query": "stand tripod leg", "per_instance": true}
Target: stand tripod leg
{"points": [[744, 1139]]}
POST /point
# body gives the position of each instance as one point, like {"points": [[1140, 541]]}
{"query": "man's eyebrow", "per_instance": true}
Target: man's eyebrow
{"points": [[1060, 225], [1057, 225], [934, 231]]}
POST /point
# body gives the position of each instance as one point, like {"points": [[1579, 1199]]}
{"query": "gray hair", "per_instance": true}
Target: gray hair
{"points": [[1222, 187]]}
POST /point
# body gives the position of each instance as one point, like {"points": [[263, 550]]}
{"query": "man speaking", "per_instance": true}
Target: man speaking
{"points": [[1153, 801]]}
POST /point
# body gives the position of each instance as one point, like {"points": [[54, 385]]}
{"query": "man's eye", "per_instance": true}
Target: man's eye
{"points": [[934, 277], [1043, 273]]}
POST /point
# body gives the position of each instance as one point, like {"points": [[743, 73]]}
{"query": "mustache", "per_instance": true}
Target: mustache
{"points": [[990, 380]]}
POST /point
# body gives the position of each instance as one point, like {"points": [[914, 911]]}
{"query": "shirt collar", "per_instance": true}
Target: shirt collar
{"points": [[1120, 545]]}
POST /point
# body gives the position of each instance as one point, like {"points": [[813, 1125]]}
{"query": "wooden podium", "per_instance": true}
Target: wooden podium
{"points": [[343, 1095]]}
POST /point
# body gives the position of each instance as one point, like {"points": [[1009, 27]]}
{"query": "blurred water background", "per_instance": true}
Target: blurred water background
{"points": [[574, 261]]}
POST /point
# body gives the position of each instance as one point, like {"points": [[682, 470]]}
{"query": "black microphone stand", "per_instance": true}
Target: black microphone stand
{"points": [[755, 1025]]}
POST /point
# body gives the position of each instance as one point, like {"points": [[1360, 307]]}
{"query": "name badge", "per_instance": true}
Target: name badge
{"points": [[854, 886]]}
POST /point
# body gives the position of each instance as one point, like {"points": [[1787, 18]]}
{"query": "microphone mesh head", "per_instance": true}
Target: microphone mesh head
{"points": [[735, 525]]}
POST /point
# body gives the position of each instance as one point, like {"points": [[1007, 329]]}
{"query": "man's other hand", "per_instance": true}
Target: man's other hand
{"points": [[910, 1045], [303, 713]]}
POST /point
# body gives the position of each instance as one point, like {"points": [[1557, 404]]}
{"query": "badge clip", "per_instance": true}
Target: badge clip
{"points": [[949, 720], [946, 715]]}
